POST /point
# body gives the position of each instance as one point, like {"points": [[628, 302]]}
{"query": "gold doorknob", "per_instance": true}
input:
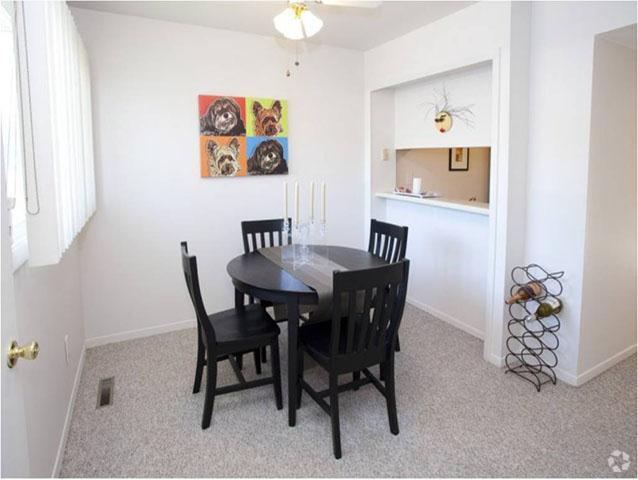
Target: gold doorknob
{"points": [[28, 352]]}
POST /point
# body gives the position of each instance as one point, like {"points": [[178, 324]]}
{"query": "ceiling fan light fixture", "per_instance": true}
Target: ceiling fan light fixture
{"points": [[297, 22], [311, 23]]}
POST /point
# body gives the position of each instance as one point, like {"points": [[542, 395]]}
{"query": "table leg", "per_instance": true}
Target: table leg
{"points": [[293, 329], [239, 306], [239, 300]]}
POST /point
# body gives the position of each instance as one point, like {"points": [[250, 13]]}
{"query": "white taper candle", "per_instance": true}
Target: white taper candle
{"points": [[323, 202], [312, 201], [285, 201], [296, 220]]}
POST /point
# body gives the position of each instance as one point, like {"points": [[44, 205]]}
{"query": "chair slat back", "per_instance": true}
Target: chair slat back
{"points": [[371, 301], [388, 241], [264, 233], [189, 265]]}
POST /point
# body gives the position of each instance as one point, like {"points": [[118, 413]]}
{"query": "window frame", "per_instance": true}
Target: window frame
{"points": [[18, 228]]}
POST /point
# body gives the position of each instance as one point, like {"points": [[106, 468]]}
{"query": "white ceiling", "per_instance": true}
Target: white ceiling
{"points": [[355, 28]]}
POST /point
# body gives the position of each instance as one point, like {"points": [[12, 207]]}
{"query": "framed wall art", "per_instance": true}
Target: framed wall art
{"points": [[459, 159], [242, 136]]}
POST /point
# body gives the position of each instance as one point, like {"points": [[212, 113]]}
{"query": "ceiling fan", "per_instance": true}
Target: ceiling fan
{"points": [[297, 22]]}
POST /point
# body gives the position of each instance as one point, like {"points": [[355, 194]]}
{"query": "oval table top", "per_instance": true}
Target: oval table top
{"points": [[253, 271]]}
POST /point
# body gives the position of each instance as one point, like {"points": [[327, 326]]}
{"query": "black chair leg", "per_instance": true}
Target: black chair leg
{"points": [[391, 397], [264, 355], [334, 415], [299, 377], [382, 372], [239, 358], [211, 383], [257, 356], [276, 373], [397, 347], [199, 369], [356, 376]]}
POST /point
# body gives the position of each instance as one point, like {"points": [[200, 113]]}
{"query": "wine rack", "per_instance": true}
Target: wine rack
{"points": [[532, 345]]}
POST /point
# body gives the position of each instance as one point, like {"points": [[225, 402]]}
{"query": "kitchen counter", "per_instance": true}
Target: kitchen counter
{"points": [[478, 208]]}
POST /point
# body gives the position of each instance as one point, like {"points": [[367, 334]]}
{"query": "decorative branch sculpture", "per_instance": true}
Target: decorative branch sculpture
{"points": [[444, 112]]}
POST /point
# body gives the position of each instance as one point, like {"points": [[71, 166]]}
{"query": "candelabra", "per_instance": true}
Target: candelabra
{"points": [[303, 235]]}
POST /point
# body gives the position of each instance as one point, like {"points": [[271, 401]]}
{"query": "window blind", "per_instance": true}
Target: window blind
{"points": [[57, 110]]}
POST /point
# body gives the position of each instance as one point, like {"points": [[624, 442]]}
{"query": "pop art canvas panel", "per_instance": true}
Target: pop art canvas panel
{"points": [[222, 116], [223, 156], [267, 155], [241, 136], [266, 117]]}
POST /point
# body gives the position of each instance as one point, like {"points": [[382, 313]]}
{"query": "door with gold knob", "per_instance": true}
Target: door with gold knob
{"points": [[15, 458]]}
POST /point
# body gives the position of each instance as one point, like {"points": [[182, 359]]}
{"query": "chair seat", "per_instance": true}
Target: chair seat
{"points": [[244, 330]]}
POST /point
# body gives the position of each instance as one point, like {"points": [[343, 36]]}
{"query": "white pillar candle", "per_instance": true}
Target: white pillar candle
{"points": [[296, 219], [312, 201], [285, 201], [416, 185], [323, 202]]}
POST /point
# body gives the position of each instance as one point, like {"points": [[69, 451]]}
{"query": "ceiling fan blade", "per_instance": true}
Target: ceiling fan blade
{"points": [[350, 3]]}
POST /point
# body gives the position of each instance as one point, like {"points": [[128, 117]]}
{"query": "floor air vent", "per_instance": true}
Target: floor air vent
{"points": [[105, 392]]}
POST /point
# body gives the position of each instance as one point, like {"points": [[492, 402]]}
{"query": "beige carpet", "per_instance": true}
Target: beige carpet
{"points": [[458, 415]]}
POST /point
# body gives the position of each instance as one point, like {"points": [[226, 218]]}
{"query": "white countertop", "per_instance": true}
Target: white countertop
{"points": [[479, 208]]}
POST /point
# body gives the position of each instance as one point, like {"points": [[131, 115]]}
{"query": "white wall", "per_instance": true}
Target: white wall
{"points": [[49, 306], [382, 167], [608, 318], [477, 35], [561, 66], [146, 77], [470, 87], [448, 255]]}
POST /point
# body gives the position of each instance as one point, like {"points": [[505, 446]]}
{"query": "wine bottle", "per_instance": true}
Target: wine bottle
{"points": [[527, 291], [548, 307]]}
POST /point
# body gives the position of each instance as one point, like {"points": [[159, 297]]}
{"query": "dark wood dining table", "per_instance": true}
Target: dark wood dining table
{"points": [[255, 275]]}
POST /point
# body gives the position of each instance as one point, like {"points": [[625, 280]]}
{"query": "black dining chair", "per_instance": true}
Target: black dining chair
{"points": [[357, 338], [224, 334], [389, 242], [258, 234], [264, 233]]}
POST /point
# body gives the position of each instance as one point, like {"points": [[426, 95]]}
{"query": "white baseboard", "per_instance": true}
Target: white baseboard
{"points": [[448, 318], [69, 413], [566, 377], [596, 370], [496, 360], [142, 332], [576, 380]]}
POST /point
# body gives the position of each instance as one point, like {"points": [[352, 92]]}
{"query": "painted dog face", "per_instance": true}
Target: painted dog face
{"points": [[267, 159], [223, 117], [267, 119], [222, 159]]}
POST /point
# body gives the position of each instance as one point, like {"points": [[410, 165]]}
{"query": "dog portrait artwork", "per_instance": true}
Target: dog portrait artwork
{"points": [[223, 159], [223, 156], [222, 116], [266, 117], [267, 156], [242, 136]]}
